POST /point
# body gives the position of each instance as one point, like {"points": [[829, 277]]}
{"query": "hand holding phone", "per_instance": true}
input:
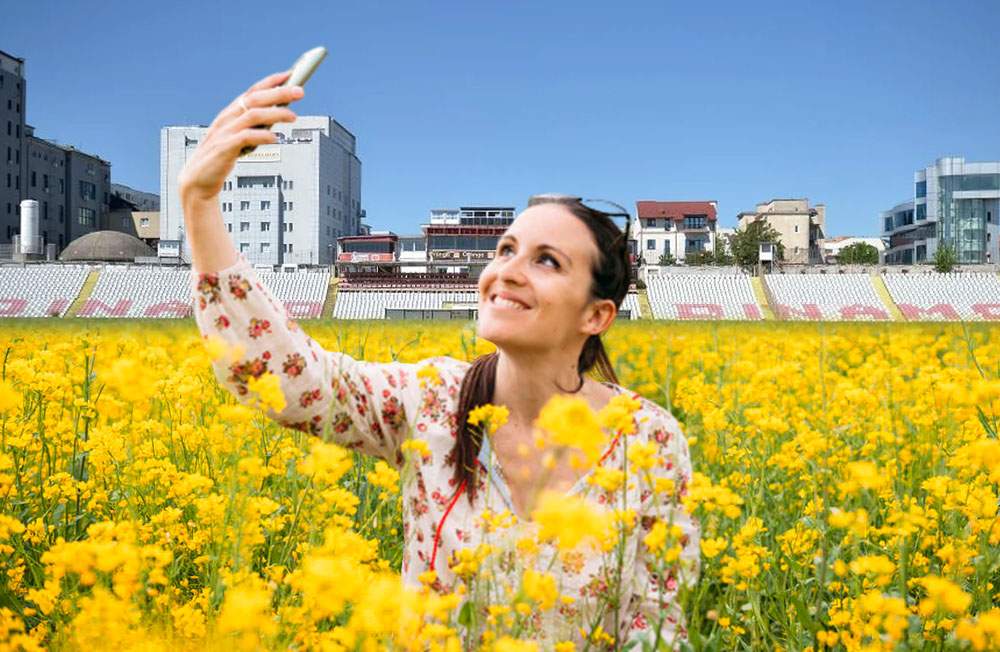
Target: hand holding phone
{"points": [[302, 70]]}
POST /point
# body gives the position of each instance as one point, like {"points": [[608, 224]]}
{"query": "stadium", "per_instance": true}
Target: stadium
{"points": [[105, 290]]}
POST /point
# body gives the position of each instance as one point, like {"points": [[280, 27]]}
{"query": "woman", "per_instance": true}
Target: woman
{"points": [[559, 275]]}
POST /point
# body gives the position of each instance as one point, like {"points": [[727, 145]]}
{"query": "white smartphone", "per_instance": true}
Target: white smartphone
{"points": [[302, 70]]}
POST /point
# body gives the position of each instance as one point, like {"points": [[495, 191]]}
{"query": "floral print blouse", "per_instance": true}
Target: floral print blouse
{"points": [[375, 407]]}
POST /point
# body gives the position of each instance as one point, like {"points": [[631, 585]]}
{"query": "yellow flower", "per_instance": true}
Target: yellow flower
{"points": [[569, 421], [267, 389], [429, 375], [616, 415], [384, 476], [942, 595], [494, 416], [10, 398], [540, 587], [570, 520]]}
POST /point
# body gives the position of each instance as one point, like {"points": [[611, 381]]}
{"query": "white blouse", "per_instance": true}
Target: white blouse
{"points": [[374, 407]]}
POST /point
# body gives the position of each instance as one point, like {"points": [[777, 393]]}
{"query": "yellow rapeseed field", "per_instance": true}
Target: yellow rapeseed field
{"points": [[846, 485]]}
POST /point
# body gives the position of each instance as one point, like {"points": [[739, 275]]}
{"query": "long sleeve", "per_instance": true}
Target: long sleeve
{"points": [[654, 596], [362, 405]]}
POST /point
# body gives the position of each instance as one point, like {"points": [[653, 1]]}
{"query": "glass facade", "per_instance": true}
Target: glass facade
{"points": [[921, 189], [962, 221]]}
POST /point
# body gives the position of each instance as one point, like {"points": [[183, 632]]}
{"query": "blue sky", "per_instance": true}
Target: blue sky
{"points": [[478, 102]]}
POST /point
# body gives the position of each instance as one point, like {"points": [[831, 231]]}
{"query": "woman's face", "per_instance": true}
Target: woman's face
{"points": [[535, 293]]}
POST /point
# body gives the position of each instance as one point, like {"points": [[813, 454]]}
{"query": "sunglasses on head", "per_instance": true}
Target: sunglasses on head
{"points": [[601, 207]]}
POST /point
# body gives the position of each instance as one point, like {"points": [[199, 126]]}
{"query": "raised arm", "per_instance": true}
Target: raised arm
{"points": [[327, 393], [358, 404], [201, 179]]}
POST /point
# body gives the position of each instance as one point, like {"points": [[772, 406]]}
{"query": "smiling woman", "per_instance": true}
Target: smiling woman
{"points": [[559, 276]]}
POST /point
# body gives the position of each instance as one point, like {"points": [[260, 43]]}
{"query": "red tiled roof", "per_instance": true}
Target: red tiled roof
{"points": [[675, 210]]}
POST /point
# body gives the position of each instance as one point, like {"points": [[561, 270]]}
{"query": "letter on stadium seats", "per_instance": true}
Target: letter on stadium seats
{"points": [[304, 309], [858, 309], [12, 307], [699, 311], [175, 308], [808, 311], [916, 313], [92, 306], [57, 307], [989, 311]]}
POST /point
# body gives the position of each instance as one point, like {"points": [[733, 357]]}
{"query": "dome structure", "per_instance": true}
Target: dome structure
{"points": [[110, 246]]}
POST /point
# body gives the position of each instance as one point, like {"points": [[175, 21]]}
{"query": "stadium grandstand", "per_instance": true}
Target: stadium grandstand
{"points": [[123, 291]]}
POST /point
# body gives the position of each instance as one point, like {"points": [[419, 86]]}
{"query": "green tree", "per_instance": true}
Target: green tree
{"points": [[668, 259], [702, 257], [945, 258], [745, 243], [859, 253]]}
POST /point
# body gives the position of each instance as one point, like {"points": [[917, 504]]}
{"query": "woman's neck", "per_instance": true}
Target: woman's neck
{"points": [[525, 382]]}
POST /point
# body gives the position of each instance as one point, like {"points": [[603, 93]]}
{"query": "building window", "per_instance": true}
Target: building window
{"points": [[255, 182], [265, 247], [86, 216], [229, 227], [652, 223], [651, 245], [265, 205], [289, 227], [694, 221], [796, 228], [265, 226], [244, 247], [244, 226], [88, 190], [33, 179], [143, 221], [244, 205], [288, 247]]}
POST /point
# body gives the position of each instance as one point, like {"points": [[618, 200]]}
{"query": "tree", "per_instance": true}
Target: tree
{"points": [[945, 258], [859, 253], [668, 259], [702, 257], [745, 243]]}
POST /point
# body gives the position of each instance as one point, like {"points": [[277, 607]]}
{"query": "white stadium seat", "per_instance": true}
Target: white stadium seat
{"points": [[952, 296], [695, 296], [39, 290], [829, 297]]}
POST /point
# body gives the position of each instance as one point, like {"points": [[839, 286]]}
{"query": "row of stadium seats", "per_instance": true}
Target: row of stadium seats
{"points": [[40, 292], [722, 296], [137, 292], [372, 304], [827, 297], [953, 296]]}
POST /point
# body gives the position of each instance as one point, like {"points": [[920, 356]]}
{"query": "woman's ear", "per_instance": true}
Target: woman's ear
{"points": [[601, 314]]}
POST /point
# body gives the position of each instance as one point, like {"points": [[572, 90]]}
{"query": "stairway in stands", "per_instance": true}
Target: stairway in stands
{"points": [[883, 293], [645, 310], [764, 298], [85, 292], [331, 298]]}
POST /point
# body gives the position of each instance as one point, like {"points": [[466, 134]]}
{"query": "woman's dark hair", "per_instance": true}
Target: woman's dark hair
{"points": [[611, 274]]}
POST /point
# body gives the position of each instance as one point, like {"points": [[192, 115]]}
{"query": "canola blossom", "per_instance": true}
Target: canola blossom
{"points": [[846, 480]]}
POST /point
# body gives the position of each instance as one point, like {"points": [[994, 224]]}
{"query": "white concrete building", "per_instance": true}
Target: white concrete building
{"points": [[675, 228], [285, 203]]}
